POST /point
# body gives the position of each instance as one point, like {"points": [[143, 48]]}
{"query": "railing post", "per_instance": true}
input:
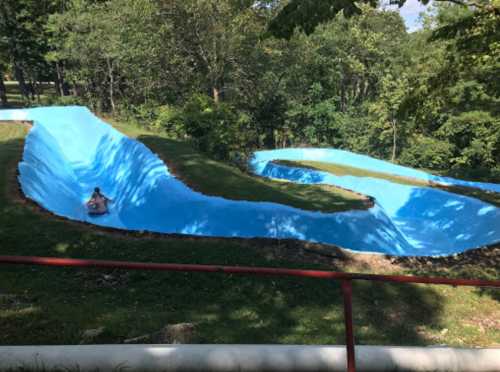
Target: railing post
{"points": [[349, 333]]}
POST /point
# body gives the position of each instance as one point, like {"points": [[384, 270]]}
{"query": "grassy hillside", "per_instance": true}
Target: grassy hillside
{"points": [[54, 306], [216, 178]]}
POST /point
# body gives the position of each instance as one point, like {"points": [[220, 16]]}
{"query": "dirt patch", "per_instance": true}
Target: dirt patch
{"points": [[480, 260]]}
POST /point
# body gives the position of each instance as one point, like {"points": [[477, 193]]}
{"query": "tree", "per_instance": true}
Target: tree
{"points": [[215, 37], [387, 108], [454, 96], [3, 69], [3, 91], [335, 74], [112, 49], [23, 38], [308, 14], [205, 69]]}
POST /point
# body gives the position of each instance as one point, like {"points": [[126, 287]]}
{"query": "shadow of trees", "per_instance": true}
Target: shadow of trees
{"points": [[226, 309], [58, 304]]}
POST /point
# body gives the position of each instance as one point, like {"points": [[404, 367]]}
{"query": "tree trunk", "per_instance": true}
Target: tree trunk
{"points": [[394, 139], [38, 89], [343, 103], [60, 75], [3, 92], [59, 80], [111, 84], [19, 75], [76, 91], [32, 89], [58, 86], [216, 94]]}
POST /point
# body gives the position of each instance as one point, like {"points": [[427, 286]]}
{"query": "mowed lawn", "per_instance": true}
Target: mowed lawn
{"points": [[40, 305]]}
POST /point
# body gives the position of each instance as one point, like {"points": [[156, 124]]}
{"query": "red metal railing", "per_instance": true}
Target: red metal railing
{"points": [[345, 278]]}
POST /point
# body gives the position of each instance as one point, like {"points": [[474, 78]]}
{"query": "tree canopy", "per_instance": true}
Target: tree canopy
{"points": [[236, 75]]}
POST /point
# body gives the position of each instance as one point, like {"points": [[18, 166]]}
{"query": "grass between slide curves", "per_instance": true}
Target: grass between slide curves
{"points": [[342, 170], [218, 179]]}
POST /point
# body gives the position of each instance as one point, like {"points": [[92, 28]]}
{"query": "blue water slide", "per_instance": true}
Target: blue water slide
{"points": [[69, 151]]}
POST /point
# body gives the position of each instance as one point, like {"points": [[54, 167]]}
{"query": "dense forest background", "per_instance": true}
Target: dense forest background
{"points": [[236, 75]]}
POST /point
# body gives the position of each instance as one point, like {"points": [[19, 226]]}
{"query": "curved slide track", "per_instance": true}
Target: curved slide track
{"points": [[69, 151]]}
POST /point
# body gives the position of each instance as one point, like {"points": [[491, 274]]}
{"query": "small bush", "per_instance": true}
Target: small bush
{"points": [[169, 119], [218, 129], [476, 135], [427, 152], [66, 101], [158, 118]]}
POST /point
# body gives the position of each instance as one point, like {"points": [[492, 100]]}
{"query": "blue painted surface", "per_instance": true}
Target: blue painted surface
{"points": [[261, 158], [70, 151]]}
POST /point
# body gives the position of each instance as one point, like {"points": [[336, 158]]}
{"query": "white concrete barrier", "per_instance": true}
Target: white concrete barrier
{"points": [[246, 358]]}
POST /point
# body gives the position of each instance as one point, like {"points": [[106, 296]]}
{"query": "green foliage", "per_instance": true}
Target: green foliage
{"points": [[427, 152], [475, 33], [104, 46], [154, 117], [458, 100], [317, 124], [24, 42], [169, 119], [65, 101], [309, 14], [476, 135], [218, 129]]}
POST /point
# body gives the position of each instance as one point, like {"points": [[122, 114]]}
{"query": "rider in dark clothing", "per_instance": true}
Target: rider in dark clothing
{"points": [[98, 202]]}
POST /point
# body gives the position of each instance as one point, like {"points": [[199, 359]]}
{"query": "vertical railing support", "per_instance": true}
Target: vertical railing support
{"points": [[349, 333]]}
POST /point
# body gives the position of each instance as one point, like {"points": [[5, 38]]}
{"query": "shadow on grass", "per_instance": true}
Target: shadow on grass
{"points": [[61, 303], [218, 179], [483, 263], [10, 153], [56, 305]]}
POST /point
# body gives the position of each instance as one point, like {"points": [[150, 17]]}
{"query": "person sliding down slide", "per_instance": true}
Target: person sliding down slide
{"points": [[98, 203]]}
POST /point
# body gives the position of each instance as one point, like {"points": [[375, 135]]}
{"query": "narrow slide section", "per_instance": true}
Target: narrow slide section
{"points": [[69, 151]]}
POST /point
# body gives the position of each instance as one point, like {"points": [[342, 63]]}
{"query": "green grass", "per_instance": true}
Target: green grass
{"points": [[343, 170], [40, 305], [216, 178]]}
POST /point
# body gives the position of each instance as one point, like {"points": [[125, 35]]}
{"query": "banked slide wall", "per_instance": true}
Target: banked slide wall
{"points": [[69, 151]]}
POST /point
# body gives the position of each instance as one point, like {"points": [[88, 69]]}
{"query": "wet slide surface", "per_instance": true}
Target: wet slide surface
{"points": [[69, 151]]}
